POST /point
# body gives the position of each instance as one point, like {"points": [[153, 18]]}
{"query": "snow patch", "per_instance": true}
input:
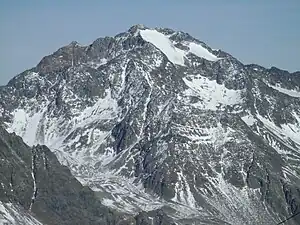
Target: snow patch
{"points": [[97, 64], [13, 215], [202, 52], [34, 181], [106, 106], [286, 133], [249, 119], [292, 93], [19, 122], [25, 125], [176, 55], [183, 192], [163, 43], [32, 76], [211, 94]]}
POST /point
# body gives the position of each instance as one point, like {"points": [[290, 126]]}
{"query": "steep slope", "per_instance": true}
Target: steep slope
{"points": [[153, 118], [34, 180], [35, 189]]}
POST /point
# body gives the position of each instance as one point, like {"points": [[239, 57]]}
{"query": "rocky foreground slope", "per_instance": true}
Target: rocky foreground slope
{"points": [[36, 189], [154, 119]]}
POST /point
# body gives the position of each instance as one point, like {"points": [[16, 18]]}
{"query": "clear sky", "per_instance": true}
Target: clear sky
{"points": [[265, 32]]}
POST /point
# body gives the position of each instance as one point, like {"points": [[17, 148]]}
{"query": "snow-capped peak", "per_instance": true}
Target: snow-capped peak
{"points": [[136, 28]]}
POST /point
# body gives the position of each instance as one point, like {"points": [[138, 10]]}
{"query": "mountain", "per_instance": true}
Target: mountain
{"points": [[157, 122]]}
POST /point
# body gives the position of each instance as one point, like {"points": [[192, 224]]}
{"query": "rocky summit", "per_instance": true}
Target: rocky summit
{"points": [[157, 128]]}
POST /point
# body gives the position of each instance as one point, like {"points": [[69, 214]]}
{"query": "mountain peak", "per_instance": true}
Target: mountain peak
{"points": [[133, 29], [74, 44]]}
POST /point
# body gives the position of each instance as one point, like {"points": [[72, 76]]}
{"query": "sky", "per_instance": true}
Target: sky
{"points": [[261, 32]]}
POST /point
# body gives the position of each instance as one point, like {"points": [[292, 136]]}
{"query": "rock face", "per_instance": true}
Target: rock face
{"points": [[37, 189], [33, 180], [155, 120]]}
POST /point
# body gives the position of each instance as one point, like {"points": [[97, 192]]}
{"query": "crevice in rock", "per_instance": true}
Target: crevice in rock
{"points": [[249, 169], [33, 174]]}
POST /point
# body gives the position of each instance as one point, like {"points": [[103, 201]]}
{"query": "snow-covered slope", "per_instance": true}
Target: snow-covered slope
{"points": [[12, 215], [174, 54], [211, 94], [291, 93], [202, 52], [164, 122], [163, 43]]}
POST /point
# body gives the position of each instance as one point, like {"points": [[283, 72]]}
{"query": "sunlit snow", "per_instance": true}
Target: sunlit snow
{"points": [[202, 52], [291, 93], [249, 119], [211, 93], [286, 133], [164, 44], [13, 215], [25, 125], [175, 55]]}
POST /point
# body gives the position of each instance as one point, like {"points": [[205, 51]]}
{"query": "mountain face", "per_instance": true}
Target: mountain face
{"points": [[157, 122], [33, 179], [36, 189]]}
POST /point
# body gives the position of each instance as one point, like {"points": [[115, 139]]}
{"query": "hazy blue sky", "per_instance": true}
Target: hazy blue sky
{"points": [[254, 31]]}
